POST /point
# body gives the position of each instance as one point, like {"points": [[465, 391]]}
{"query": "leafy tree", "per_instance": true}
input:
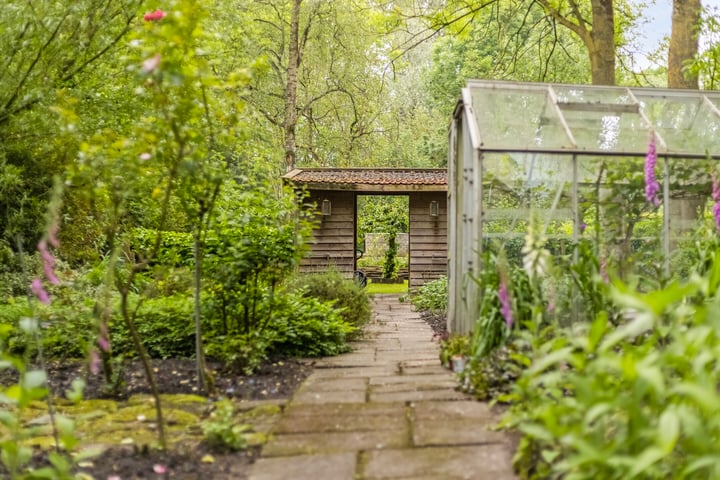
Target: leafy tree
{"points": [[46, 48]]}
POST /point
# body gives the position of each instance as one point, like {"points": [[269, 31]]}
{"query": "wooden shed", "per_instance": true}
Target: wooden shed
{"points": [[333, 193]]}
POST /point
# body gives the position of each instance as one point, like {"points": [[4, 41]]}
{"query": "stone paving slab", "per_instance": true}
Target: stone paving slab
{"points": [[455, 432], [282, 445], [481, 462], [462, 410], [417, 395], [322, 397], [437, 376], [412, 387], [318, 383], [349, 372], [398, 409], [339, 466], [339, 423]]}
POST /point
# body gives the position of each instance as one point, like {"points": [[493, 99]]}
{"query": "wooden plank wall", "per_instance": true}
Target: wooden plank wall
{"points": [[428, 238], [333, 242]]}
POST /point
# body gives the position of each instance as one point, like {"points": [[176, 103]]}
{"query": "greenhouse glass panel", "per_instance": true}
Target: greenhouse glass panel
{"points": [[690, 210], [687, 124], [539, 191], [608, 130], [519, 120]]}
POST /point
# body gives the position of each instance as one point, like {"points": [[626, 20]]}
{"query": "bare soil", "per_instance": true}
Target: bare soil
{"points": [[276, 379]]}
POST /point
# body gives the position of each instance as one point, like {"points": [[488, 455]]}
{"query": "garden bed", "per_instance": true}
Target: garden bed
{"points": [[133, 456]]}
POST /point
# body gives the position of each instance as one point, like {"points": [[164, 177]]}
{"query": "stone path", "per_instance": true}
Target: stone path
{"points": [[387, 410]]}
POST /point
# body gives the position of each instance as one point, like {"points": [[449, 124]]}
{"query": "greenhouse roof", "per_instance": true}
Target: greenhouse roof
{"points": [[591, 119]]}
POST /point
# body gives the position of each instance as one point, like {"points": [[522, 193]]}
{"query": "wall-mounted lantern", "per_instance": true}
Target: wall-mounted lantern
{"points": [[434, 209], [326, 207]]}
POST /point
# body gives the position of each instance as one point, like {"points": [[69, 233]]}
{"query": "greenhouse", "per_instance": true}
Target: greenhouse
{"points": [[627, 172]]}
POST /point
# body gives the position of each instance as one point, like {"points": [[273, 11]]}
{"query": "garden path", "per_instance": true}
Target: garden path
{"points": [[387, 410]]}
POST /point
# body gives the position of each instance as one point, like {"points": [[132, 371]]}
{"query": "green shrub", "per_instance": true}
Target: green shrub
{"points": [[243, 352], [165, 324], [308, 327], [433, 296], [347, 296], [65, 329], [176, 248]]}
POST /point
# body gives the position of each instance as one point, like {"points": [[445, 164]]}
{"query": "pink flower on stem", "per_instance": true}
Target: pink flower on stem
{"points": [[603, 269], [652, 187], [48, 262], [505, 304], [52, 235], [39, 291], [716, 199], [103, 338], [94, 362], [154, 16], [151, 64]]}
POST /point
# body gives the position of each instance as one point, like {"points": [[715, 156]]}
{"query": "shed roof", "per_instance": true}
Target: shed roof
{"points": [[398, 180], [590, 119]]}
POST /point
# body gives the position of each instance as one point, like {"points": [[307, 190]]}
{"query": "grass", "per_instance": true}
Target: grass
{"points": [[386, 287]]}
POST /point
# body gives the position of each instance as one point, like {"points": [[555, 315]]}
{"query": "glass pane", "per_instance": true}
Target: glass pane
{"points": [[518, 119], [543, 191], [625, 230], [592, 94], [685, 122], [613, 132], [690, 210]]}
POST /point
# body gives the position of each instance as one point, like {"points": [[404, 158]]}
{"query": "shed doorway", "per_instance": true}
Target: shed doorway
{"points": [[382, 238], [331, 195]]}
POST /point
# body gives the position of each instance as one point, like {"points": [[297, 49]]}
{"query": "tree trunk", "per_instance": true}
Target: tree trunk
{"points": [[290, 122], [683, 43], [602, 43]]}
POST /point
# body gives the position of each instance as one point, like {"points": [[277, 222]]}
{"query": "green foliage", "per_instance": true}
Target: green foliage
{"points": [[165, 325], [389, 264], [17, 398], [308, 327], [347, 296], [454, 345], [243, 352], [256, 242], [632, 401], [432, 296], [175, 250], [221, 431]]}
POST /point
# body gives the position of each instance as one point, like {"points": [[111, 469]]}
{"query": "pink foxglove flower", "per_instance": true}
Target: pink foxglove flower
{"points": [[104, 338], [652, 187], [151, 64], [52, 235], [39, 291], [716, 199], [94, 362], [154, 16], [48, 262], [603, 269], [505, 306]]}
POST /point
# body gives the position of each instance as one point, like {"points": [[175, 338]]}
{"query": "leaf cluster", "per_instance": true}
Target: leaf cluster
{"points": [[632, 401]]}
